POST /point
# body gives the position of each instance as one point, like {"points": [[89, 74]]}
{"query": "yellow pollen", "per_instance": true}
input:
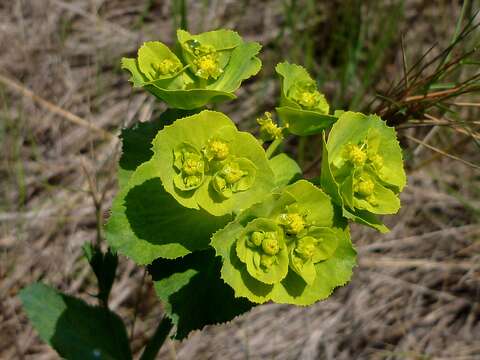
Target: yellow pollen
{"points": [[293, 223], [208, 66], [167, 66], [355, 154], [219, 149]]}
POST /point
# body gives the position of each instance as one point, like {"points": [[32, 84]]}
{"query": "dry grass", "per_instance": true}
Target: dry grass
{"points": [[415, 294]]}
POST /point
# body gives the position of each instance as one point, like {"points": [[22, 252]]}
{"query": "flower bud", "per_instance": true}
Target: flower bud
{"points": [[365, 187], [256, 238], [219, 183], [232, 174], [267, 261], [305, 247], [270, 244], [191, 181]]}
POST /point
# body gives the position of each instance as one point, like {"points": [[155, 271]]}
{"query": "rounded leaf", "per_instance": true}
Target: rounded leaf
{"points": [[362, 167], [214, 65], [325, 252], [234, 182], [303, 109]]}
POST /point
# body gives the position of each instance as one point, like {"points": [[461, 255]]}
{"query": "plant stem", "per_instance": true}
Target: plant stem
{"points": [[302, 142], [156, 341], [272, 147]]}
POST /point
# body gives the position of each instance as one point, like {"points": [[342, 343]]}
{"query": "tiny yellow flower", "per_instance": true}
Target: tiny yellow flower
{"points": [[218, 150], [269, 130], [293, 223], [355, 154], [168, 67]]}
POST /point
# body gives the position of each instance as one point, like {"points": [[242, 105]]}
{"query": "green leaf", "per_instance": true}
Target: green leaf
{"points": [[137, 141], [303, 109], [189, 98], [147, 223], [151, 56], [334, 272], [222, 39], [131, 65], [366, 218], [243, 64], [187, 87], [304, 122], [193, 293], [73, 328], [286, 169], [264, 262], [198, 130], [104, 265], [330, 273], [327, 180], [317, 204], [353, 128], [362, 168]]}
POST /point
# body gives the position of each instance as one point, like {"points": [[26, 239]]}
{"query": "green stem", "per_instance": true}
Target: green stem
{"points": [[302, 142], [157, 340], [272, 147]]}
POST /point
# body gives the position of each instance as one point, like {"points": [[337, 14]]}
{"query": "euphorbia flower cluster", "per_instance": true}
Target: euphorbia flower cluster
{"points": [[209, 189]]}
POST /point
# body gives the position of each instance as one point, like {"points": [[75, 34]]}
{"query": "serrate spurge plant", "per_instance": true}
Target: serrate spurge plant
{"points": [[221, 220]]}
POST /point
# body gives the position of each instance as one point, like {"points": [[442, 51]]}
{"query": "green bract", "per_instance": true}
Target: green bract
{"points": [[362, 168], [205, 162], [303, 109], [290, 248], [210, 67]]}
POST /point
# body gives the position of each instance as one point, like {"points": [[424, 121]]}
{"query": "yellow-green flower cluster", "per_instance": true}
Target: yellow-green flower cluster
{"points": [[269, 130]]}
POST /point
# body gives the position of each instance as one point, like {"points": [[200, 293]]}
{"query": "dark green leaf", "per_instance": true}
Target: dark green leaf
{"points": [[303, 122], [104, 265], [148, 223], [193, 292], [74, 329]]}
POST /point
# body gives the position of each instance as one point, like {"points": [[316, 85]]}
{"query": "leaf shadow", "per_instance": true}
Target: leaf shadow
{"points": [[204, 299], [155, 216]]}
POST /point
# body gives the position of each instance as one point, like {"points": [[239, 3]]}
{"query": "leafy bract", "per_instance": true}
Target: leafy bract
{"points": [[303, 109], [236, 172], [211, 68], [143, 220], [362, 168], [320, 254], [66, 323], [193, 292], [286, 169], [147, 223]]}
